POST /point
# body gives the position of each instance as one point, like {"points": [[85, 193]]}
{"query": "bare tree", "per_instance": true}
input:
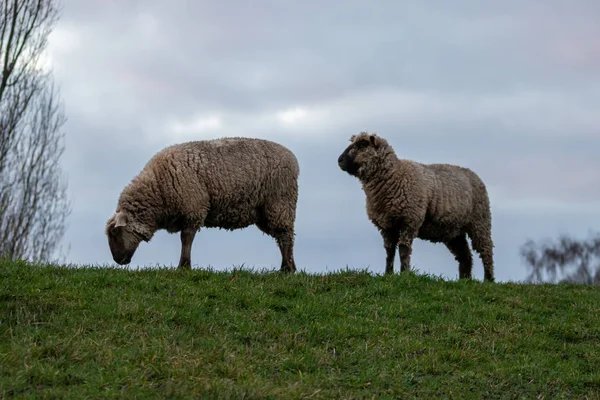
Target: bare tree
{"points": [[577, 261], [33, 193]]}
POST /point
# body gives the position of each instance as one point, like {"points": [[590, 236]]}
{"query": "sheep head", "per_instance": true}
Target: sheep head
{"points": [[363, 154], [123, 237]]}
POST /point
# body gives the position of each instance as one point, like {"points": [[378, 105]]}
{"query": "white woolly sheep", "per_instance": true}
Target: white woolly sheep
{"points": [[228, 183], [435, 202]]}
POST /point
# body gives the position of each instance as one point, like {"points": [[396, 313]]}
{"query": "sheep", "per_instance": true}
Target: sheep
{"points": [[228, 183], [434, 202]]}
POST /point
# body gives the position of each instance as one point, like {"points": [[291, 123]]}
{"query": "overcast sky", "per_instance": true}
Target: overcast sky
{"points": [[510, 89]]}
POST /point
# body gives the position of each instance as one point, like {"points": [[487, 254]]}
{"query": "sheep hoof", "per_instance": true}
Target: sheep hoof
{"points": [[288, 268], [184, 265]]}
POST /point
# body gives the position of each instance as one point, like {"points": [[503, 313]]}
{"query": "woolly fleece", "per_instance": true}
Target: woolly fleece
{"points": [[227, 183], [435, 202]]}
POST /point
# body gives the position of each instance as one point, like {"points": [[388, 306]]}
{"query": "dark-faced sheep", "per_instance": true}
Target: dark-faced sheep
{"points": [[435, 202], [228, 183]]}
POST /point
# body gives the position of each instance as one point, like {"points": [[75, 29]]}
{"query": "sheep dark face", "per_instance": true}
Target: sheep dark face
{"points": [[122, 240], [358, 154]]}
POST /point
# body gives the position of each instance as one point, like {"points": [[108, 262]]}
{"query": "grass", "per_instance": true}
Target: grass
{"points": [[163, 333]]}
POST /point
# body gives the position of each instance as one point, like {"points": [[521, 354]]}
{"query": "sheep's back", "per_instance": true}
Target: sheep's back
{"points": [[246, 167], [231, 177], [452, 194]]}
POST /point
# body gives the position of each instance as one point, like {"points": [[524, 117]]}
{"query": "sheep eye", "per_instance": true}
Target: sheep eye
{"points": [[362, 144]]}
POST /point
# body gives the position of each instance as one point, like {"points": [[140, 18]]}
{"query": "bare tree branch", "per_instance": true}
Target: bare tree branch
{"points": [[577, 261], [33, 194]]}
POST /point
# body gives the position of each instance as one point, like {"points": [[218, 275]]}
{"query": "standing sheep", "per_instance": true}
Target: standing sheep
{"points": [[228, 183], [434, 202]]}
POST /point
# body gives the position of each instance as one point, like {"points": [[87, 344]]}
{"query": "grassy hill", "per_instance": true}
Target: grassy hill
{"points": [[107, 333]]}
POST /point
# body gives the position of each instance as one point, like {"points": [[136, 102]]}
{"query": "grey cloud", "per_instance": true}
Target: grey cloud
{"points": [[265, 54]]}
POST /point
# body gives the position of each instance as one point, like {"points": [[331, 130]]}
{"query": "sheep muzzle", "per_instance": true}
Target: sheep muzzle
{"points": [[123, 245], [346, 162]]}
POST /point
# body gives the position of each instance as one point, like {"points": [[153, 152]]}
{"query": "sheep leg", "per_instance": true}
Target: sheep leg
{"points": [[187, 238], [405, 249], [482, 244], [285, 241], [459, 247], [390, 241], [277, 221]]}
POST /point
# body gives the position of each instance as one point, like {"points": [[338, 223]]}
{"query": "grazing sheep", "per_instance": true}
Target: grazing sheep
{"points": [[228, 183], [434, 202]]}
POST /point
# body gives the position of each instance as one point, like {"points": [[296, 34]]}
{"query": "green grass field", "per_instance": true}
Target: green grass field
{"points": [[113, 333]]}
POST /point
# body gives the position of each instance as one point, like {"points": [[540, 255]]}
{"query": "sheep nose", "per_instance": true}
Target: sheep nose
{"points": [[340, 158]]}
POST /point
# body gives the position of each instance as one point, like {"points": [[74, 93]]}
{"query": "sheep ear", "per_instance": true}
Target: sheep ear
{"points": [[374, 140], [120, 219]]}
